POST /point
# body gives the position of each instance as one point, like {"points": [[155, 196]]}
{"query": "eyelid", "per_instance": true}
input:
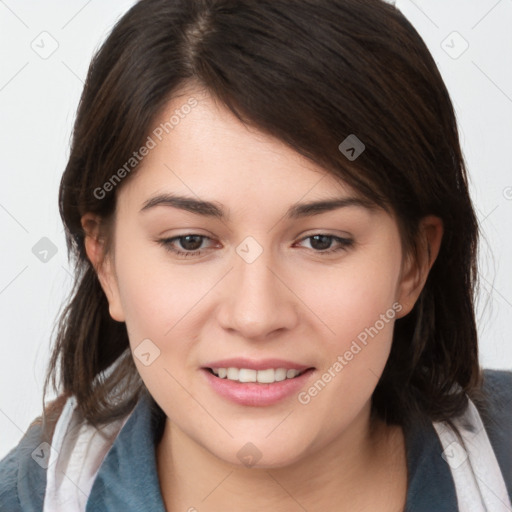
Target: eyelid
{"points": [[344, 243]]}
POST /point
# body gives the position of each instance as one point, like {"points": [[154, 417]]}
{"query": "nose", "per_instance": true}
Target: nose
{"points": [[257, 300]]}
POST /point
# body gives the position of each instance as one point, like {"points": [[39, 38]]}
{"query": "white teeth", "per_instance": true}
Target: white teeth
{"points": [[245, 375], [280, 374], [232, 373], [267, 376]]}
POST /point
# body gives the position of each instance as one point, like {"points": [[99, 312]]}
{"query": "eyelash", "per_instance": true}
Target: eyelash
{"points": [[167, 243]]}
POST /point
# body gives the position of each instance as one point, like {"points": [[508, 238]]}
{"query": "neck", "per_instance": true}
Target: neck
{"points": [[362, 469]]}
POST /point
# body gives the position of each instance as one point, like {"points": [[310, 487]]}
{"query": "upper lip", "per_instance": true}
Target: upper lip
{"points": [[262, 364]]}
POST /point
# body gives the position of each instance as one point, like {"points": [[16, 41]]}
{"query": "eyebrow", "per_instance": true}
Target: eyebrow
{"points": [[215, 210]]}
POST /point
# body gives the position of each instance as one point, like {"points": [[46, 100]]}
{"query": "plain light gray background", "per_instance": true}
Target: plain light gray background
{"points": [[39, 92]]}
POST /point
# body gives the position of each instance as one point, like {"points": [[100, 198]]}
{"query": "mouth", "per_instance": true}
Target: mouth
{"points": [[257, 388]]}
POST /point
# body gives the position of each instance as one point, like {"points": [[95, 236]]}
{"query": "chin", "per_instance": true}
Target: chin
{"points": [[262, 455]]}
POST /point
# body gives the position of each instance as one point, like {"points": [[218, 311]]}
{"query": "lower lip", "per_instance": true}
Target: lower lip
{"points": [[254, 393]]}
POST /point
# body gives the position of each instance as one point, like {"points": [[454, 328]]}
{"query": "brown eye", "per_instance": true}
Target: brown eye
{"points": [[190, 242], [184, 245], [322, 243]]}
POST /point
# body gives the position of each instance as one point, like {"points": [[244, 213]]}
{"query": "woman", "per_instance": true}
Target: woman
{"points": [[275, 269]]}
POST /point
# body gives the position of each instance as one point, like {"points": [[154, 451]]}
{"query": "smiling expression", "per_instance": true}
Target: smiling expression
{"points": [[229, 244]]}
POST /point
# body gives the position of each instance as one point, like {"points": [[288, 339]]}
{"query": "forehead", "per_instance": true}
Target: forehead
{"points": [[199, 148]]}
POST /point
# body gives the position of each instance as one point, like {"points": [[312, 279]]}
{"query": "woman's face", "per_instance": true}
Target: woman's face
{"points": [[263, 279]]}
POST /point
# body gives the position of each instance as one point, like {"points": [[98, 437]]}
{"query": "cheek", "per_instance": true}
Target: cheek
{"points": [[352, 297], [154, 292], [356, 314], [165, 303], [159, 307]]}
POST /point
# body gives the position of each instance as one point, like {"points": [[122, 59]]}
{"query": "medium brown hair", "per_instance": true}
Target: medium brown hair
{"points": [[309, 73]]}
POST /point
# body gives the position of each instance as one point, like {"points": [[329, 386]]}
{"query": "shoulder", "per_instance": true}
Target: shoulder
{"points": [[8, 478], [496, 404], [495, 408], [23, 469], [499, 378], [22, 476]]}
